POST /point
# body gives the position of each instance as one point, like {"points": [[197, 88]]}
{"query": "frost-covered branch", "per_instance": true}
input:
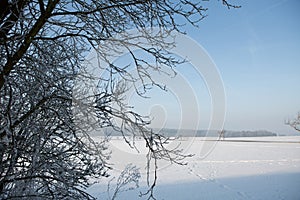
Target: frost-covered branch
{"points": [[46, 150]]}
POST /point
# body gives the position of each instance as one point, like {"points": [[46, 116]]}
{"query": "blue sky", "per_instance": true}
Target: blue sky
{"points": [[257, 51]]}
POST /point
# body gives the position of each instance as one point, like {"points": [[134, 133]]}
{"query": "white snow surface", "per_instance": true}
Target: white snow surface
{"points": [[236, 168]]}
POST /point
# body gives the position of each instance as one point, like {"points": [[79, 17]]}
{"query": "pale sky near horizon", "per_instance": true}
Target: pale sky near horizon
{"points": [[256, 49]]}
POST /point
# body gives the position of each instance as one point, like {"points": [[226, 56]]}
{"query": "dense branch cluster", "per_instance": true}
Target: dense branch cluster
{"points": [[44, 153]]}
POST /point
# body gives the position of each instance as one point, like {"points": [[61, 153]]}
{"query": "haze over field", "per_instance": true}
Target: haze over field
{"points": [[192, 133]]}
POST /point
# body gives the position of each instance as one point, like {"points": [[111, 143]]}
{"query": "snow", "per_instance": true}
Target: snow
{"points": [[239, 168]]}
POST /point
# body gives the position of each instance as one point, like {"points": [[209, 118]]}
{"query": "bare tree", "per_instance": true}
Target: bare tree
{"points": [[43, 152], [295, 123], [128, 180], [222, 135]]}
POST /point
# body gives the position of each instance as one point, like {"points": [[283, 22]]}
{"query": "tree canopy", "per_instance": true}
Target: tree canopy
{"points": [[44, 153]]}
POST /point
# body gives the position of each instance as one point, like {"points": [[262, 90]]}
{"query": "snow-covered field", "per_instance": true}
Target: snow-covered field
{"points": [[239, 168]]}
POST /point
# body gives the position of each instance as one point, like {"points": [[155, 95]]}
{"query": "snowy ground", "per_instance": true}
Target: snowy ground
{"points": [[239, 168]]}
